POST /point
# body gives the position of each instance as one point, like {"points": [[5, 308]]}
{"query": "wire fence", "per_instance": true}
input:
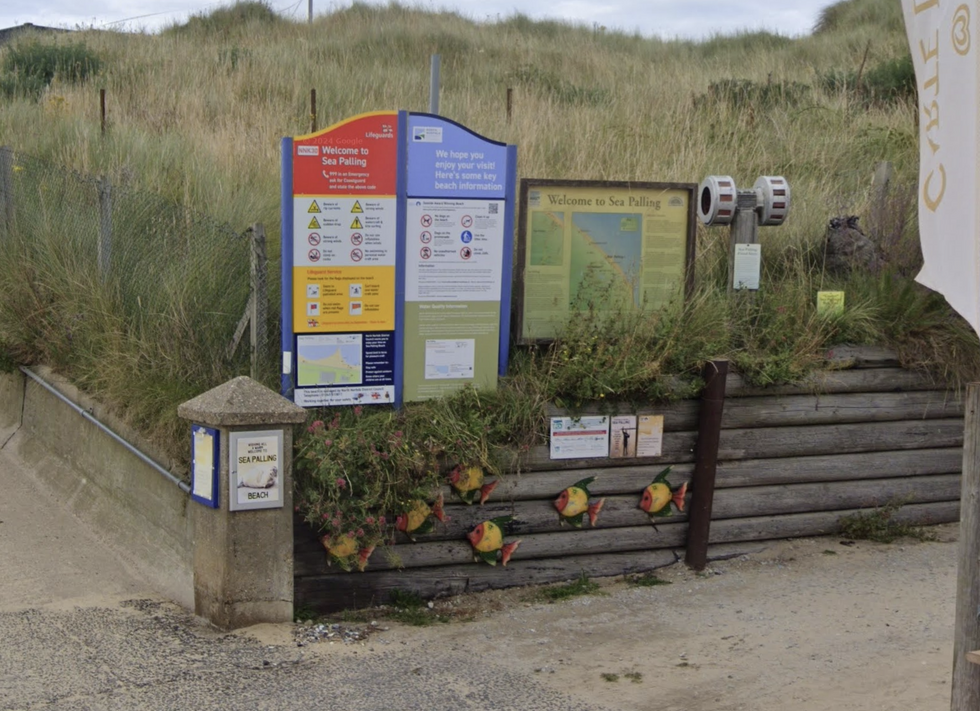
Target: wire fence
{"points": [[187, 287]]}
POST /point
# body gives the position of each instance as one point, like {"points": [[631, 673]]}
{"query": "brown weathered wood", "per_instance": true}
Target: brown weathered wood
{"points": [[622, 526], [809, 409], [840, 467], [966, 623], [746, 472], [801, 498], [706, 462], [337, 592], [595, 542], [862, 357], [823, 523], [841, 381], [840, 408], [768, 442], [831, 439]]}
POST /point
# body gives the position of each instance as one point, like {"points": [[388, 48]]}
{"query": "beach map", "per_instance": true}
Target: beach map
{"points": [[605, 249], [329, 360]]}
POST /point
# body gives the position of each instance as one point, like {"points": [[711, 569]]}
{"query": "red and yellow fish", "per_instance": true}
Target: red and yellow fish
{"points": [[487, 540], [573, 504], [468, 484], [343, 548], [658, 497], [418, 519]]}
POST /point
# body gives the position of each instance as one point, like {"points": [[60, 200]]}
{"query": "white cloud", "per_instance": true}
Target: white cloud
{"points": [[663, 18]]}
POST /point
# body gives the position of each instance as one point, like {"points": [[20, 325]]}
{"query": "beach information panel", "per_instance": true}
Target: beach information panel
{"points": [[344, 212], [396, 260], [617, 245], [458, 258]]}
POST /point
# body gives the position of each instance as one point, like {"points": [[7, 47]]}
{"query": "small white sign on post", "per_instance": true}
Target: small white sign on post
{"points": [[748, 266], [255, 470]]}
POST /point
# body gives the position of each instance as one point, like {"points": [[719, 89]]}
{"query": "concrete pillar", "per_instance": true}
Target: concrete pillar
{"points": [[243, 559]]}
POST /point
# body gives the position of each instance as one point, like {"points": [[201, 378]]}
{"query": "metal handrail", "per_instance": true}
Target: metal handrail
{"points": [[181, 484]]}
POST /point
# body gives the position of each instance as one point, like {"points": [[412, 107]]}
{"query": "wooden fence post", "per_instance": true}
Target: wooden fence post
{"points": [[510, 104], [6, 191], [104, 187], [705, 461], [966, 630], [259, 303], [312, 110]]}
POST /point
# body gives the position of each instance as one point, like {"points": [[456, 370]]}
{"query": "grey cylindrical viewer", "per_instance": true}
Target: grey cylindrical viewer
{"points": [[243, 560]]}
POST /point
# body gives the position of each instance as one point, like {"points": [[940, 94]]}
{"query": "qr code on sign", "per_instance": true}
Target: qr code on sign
{"points": [[493, 207]]}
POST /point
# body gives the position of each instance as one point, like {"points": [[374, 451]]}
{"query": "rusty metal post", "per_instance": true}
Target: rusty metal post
{"points": [[705, 461]]}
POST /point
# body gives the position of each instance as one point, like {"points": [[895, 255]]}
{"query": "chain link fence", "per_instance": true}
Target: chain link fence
{"points": [[191, 294]]}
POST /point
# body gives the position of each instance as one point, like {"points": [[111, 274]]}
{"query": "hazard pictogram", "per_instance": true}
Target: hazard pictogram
{"points": [[314, 224], [356, 255], [314, 207], [357, 207], [356, 224]]}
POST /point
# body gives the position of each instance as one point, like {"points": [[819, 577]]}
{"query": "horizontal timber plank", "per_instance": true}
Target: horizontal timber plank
{"points": [[822, 523], [744, 472], [770, 442], [839, 467], [808, 409], [537, 523], [338, 592], [621, 526], [332, 592], [862, 357], [833, 496], [840, 381], [540, 516], [840, 408]]}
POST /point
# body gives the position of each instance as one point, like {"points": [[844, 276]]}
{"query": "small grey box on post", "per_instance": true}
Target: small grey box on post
{"points": [[243, 549]]}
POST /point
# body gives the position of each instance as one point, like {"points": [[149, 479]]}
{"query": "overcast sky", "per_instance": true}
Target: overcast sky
{"points": [[664, 18]]}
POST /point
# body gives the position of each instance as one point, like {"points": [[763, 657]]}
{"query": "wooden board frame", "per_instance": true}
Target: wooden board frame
{"points": [[517, 320]]}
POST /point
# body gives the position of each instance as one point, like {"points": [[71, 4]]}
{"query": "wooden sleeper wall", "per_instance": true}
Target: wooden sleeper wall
{"points": [[790, 463]]}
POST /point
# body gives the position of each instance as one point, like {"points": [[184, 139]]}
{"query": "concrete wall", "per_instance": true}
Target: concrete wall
{"points": [[139, 512]]}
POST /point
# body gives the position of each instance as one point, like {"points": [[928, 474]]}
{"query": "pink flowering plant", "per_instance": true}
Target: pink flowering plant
{"points": [[357, 468]]}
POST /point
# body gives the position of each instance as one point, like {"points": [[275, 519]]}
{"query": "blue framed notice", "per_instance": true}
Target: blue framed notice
{"points": [[205, 465]]}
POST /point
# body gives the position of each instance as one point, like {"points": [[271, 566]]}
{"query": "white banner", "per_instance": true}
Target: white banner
{"points": [[943, 38]]}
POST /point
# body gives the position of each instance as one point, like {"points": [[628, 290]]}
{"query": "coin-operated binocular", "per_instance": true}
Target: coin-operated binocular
{"points": [[766, 203]]}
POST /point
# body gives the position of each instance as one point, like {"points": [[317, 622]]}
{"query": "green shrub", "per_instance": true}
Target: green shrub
{"points": [[228, 20], [887, 82], [885, 16], [28, 68], [740, 93]]}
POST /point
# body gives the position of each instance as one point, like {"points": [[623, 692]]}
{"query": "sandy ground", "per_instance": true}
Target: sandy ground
{"points": [[808, 624]]}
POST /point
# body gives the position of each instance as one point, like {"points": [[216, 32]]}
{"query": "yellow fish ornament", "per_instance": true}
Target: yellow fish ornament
{"points": [[573, 504]]}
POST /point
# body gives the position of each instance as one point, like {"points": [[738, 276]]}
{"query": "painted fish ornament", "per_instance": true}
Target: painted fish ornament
{"points": [[658, 497], [418, 519], [468, 484], [487, 540], [343, 548], [573, 504]]}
